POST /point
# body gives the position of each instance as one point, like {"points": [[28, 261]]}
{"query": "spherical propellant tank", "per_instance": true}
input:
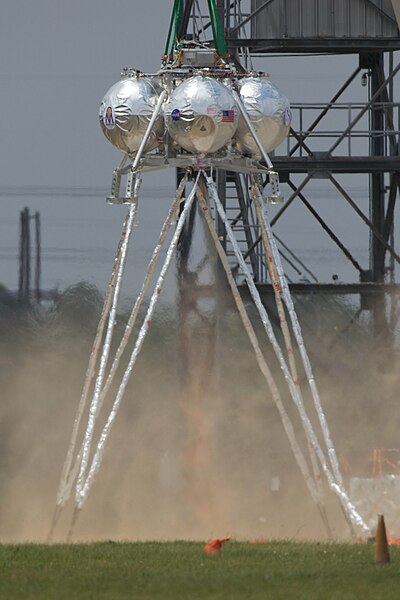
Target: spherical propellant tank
{"points": [[201, 115], [125, 112], [269, 113]]}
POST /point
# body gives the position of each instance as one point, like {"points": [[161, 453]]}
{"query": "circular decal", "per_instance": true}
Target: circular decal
{"points": [[108, 117], [176, 114], [287, 117], [213, 110]]}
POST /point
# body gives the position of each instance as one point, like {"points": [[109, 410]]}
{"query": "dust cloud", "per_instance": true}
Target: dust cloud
{"points": [[197, 449]]}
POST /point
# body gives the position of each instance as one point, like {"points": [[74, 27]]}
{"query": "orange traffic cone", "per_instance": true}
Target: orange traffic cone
{"points": [[381, 543], [214, 547]]}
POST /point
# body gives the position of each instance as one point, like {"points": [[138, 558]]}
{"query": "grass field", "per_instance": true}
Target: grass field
{"points": [[180, 570]]}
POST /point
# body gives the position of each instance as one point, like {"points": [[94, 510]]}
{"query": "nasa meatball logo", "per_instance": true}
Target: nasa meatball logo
{"points": [[108, 117], [176, 114]]}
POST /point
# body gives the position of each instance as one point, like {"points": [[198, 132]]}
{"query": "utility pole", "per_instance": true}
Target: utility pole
{"points": [[24, 279]]}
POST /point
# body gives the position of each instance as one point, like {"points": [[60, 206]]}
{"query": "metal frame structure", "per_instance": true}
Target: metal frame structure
{"points": [[252, 256], [315, 152]]}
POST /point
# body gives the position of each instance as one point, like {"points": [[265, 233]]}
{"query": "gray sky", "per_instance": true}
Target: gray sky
{"points": [[57, 59]]}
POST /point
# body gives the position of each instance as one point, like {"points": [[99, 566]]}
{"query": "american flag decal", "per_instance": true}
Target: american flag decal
{"points": [[228, 116]]}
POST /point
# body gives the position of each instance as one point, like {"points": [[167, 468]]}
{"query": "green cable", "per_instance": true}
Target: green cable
{"points": [[221, 40], [216, 27], [177, 17], [170, 26], [212, 19], [218, 36]]}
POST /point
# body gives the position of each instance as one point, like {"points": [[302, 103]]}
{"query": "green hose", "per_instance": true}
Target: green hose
{"points": [[177, 17], [216, 28], [170, 26], [215, 24]]}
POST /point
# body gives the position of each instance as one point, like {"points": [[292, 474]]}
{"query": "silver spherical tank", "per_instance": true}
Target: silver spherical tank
{"points": [[269, 112], [201, 115], [125, 112]]}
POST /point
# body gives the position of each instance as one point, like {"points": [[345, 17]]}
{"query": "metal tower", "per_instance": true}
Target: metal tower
{"points": [[365, 143]]}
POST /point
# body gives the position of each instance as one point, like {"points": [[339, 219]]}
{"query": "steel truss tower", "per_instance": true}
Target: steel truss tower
{"points": [[367, 28]]}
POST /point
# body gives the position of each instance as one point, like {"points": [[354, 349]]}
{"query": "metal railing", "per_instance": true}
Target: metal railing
{"points": [[338, 120]]}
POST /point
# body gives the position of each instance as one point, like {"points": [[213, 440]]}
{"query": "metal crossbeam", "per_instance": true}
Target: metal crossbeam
{"points": [[382, 12], [337, 164], [362, 112], [326, 109], [327, 229], [369, 223], [251, 16]]}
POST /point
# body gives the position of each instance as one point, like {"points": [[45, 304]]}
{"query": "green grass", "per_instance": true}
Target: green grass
{"points": [[181, 571]]}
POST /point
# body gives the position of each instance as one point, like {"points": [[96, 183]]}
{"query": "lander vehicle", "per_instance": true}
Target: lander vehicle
{"points": [[187, 115], [199, 112]]}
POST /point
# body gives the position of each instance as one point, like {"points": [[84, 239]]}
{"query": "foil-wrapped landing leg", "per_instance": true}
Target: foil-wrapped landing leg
{"points": [[265, 370], [71, 464], [276, 280], [83, 491], [273, 257], [131, 197], [88, 472], [171, 217], [95, 403], [94, 407], [334, 483]]}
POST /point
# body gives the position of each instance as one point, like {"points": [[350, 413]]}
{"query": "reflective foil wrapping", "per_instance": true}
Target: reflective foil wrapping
{"points": [[201, 115], [286, 422], [335, 486], [287, 298], [125, 113], [94, 406], [269, 112], [83, 491]]}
